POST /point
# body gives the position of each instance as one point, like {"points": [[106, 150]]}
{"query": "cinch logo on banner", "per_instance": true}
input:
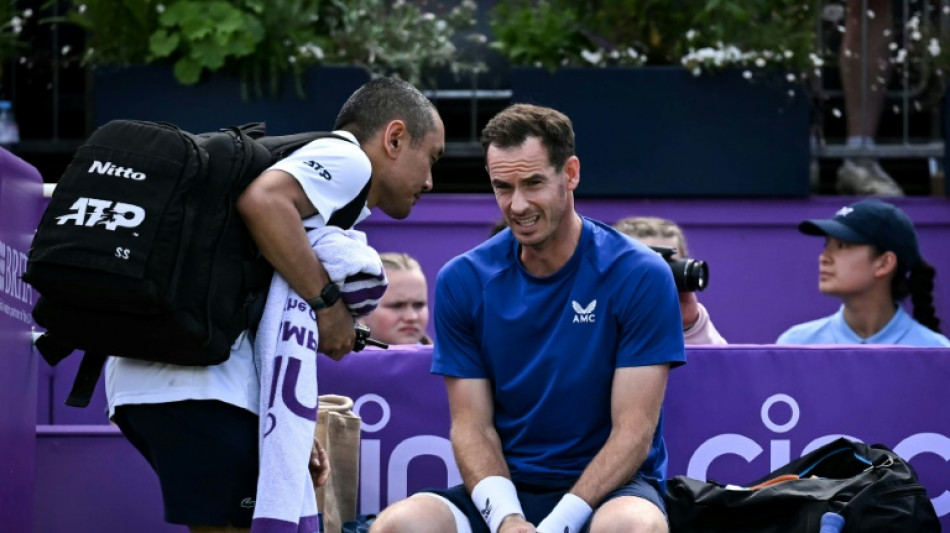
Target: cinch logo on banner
{"points": [[780, 449], [397, 469]]}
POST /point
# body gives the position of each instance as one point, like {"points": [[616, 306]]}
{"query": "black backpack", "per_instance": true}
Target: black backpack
{"points": [[141, 252], [870, 487]]}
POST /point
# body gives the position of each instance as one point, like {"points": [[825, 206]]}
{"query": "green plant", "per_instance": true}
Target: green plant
{"points": [[262, 40], [539, 34], [11, 26], [657, 32], [398, 37], [203, 35]]}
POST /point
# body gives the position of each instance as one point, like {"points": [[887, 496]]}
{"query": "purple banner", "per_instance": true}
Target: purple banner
{"points": [[21, 195], [752, 248], [732, 414]]}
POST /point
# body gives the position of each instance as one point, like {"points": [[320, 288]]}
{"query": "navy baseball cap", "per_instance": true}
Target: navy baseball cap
{"points": [[871, 222]]}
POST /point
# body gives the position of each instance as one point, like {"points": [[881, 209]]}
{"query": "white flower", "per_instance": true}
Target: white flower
{"points": [[747, 74], [691, 34], [697, 71], [870, 14], [160, 8], [790, 77], [81, 9], [915, 35], [592, 57], [27, 13], [815, 60], [934, 47], [901, 56], [65, 50], [311, 50], [760, 62]]}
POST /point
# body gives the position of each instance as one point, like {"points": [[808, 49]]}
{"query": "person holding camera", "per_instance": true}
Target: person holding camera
{"points": [[659, 232], [871, 261], [555, 338]]}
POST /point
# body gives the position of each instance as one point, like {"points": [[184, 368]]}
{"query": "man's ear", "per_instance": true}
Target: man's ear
{"points": [[572, 167], [395, 137]]}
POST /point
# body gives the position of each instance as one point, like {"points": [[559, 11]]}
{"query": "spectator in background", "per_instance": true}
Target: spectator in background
{"points": [[864, 95], [653, 231], [871, 261], [403, 313]]}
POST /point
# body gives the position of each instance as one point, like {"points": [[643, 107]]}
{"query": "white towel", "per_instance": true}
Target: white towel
{"points": [[285, 351]]}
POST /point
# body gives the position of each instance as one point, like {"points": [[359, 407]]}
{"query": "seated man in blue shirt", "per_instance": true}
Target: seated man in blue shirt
{"points": [[555, 338]]}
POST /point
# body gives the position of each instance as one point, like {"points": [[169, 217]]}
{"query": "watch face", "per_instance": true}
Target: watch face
{"points": [[330, 294]]}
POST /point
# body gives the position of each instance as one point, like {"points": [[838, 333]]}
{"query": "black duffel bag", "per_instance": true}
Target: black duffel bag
{"points": [[870, 487]]}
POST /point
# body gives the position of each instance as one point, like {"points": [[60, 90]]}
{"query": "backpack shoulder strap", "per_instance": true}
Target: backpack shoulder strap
{"points": [[86, 378], [346, 216], [280, 146], [283, 145]]}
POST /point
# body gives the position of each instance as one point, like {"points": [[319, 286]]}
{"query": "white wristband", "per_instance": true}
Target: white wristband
{"points": [[495, 498], [568, 516]]}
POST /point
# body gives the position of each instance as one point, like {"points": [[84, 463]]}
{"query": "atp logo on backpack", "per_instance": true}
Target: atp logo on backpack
{"points": [[91, 212]]}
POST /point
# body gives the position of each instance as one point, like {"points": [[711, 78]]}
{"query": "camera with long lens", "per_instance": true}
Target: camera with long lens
{"points": [[690, 274]]}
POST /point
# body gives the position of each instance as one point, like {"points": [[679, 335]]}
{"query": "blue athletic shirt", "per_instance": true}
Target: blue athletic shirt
{"points": [[901, 330], [550, 345]]}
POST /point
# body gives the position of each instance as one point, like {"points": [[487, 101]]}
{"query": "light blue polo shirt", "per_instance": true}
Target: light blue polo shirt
{"points": [[902, 330]]}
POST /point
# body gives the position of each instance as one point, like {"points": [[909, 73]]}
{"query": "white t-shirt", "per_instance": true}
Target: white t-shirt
{"points": [[332, 173]]}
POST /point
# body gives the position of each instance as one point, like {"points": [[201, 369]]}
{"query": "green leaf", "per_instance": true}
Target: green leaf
{"points": [[162, 43], [209, 54], [187, 71]]}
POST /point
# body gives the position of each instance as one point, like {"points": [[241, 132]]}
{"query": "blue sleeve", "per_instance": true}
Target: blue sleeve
{"points": [[651, 326], [456, 352]]}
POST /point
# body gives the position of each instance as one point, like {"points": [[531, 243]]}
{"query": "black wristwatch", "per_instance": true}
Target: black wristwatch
{"points": [[328, 296]]}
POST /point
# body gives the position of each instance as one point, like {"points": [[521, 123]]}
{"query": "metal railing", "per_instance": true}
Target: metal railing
{"points": [[932, 146]]}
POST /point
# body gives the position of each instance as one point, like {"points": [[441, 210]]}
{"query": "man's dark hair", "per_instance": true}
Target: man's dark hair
{"points": [[382, 100], [516, 123]]}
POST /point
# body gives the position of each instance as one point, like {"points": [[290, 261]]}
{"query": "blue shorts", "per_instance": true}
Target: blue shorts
{"points": [[205, 455], [537, 502]]}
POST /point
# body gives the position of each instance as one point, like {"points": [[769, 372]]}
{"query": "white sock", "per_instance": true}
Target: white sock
{"points": [[860, 141]]}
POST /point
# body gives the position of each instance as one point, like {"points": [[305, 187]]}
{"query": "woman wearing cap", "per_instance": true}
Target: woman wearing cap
{"points": [[871, 261]]}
